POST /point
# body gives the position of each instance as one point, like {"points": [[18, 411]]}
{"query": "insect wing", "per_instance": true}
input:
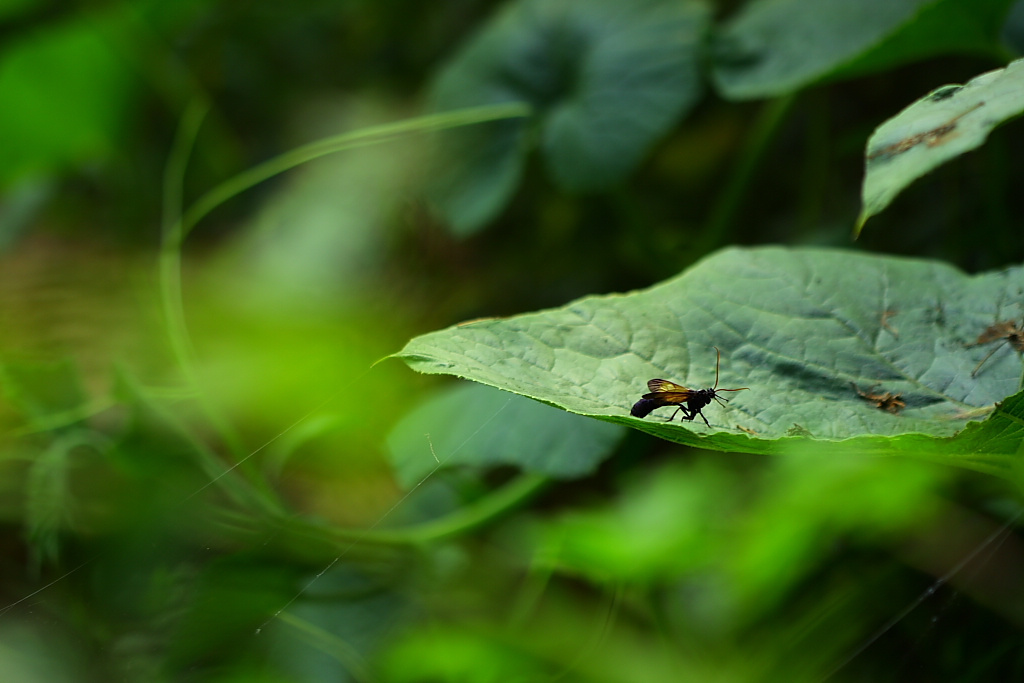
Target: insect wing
{"points": [[663, 385], [667, 393], [1001, 330]]}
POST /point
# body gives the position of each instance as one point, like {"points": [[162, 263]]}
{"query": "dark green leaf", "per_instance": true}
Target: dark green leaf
{"points": [[774, 47], [807, 330], [342, 618], [476, 425], [943, 124], [606, 78], [482, 167]]}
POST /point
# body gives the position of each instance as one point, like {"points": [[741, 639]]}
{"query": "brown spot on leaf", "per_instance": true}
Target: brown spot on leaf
{"points": [[890, 403], [884, 322], [932, 138]]}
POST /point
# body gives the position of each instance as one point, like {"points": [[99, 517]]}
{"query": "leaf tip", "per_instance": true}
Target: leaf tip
{"points": [[859, 225]]}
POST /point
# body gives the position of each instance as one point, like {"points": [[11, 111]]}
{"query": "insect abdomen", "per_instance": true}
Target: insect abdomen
{"points": [[643, 407]]}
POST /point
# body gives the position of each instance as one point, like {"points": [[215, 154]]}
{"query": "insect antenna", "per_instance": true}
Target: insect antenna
{"points": [[715, 389]]}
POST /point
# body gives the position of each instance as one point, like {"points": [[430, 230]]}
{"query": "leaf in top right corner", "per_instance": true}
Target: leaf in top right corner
{"points": [[770, 48], [943, 124]]}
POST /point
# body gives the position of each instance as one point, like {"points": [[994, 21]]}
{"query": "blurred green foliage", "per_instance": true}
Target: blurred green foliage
{"points": [[196, 437]]}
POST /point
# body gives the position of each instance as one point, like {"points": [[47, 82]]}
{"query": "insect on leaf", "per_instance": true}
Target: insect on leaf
{"points": [[796, 326]]}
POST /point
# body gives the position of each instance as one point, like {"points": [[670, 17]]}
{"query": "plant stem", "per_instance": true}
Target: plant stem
{"points": [[477, 514], [719, 226], [363, 137]]}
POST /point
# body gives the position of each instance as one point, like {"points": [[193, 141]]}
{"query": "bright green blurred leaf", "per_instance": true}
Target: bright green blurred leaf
{"points": [[774, 47], [807, 500], [805, 329], [450, 655], [606, 78], [63, 91], [476, 425], [943, 124], [691, 520], [661, 527]]}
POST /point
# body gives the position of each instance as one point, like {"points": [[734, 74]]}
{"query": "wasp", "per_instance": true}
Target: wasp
{"points": [[689, 402]]}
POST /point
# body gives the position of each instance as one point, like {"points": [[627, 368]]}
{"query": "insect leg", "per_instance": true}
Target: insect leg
{"points": [[977, 367], [680, 409]]}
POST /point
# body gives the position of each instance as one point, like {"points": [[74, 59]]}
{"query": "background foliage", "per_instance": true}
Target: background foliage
{"points": [[217, 217]]}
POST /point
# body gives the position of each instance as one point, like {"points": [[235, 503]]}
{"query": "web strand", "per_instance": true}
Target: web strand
{"points": [[995, 539]]}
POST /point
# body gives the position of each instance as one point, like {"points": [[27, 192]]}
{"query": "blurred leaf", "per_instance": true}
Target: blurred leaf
{"points": [[807, 330], [606, 78], [943, 124], [159, 444], [452, 655], [69, 87], [42, 389], [568, 639], [662, 526], [476, 425], [40, 654], [341, 620], [1013, 28], [48, 499], [807, 500], [760, 535], [322, 232], [774, 47], [226, 605], [309, 430], [481, 168]]}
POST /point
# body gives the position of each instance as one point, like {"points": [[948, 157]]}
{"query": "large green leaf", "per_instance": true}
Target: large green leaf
{"points": [[807, 330], [605, 77], [773, 47], [943, 124], [476, 425]]}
